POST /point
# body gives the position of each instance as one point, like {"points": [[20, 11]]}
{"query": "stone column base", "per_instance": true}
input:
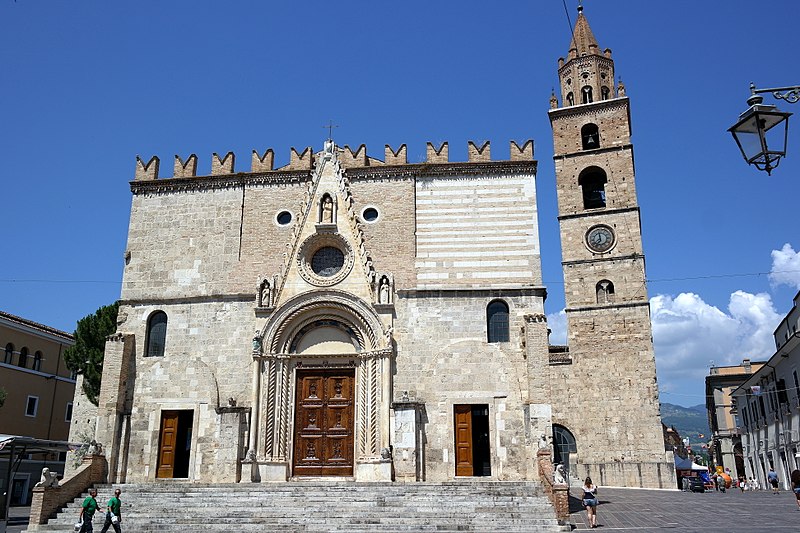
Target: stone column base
{"points": [[380, 470]]}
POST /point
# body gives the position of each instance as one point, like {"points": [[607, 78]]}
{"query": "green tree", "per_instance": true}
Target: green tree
{"points": [[86, 357]]}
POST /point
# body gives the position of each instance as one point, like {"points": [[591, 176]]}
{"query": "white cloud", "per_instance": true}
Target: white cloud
{"points": [[688, 334], [557, 322], [785, 267]]}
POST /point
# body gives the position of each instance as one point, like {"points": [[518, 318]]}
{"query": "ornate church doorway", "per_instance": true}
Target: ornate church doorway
{"points": [[324, 422]]}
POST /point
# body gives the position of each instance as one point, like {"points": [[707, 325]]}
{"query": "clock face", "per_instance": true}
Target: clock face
{"points": [[600, 239]]}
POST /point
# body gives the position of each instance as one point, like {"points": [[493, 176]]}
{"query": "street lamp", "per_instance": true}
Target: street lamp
{"points": [[758, 133]]}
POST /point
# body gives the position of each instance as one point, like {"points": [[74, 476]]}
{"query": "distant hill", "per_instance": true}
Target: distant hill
{"points": [[689, 421]]}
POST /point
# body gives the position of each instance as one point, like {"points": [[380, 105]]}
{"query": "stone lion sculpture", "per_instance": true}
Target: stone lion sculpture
{"points": [[559, 477], [49, 479]]}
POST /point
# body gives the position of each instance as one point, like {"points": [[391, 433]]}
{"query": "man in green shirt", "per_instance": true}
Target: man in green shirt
{"points": [[88, 508], [113, 517]]}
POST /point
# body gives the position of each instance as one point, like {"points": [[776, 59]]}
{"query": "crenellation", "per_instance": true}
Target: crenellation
{"points": [[148, 171], [478, 154], [399, 157], [223, 165], [301, 161], [440, 155], [350, 159], [521, 153], [263, 163], [187, 169]]}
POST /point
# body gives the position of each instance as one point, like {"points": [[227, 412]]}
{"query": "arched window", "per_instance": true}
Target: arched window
{"points": [[563, 445], [37, 361], [605, 92], [590, 136], [586, 94], [23, 357], [593, 182], [497, 321], [570, 99], [156, 334], [9, 353], [605, 292]]}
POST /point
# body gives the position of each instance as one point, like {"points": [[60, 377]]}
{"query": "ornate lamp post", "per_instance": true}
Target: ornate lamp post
{"points": [[762, 130]]}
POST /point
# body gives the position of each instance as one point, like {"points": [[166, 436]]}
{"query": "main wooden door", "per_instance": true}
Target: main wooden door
{"points": [[463, 416], [473, 450], [174, 444], [324, 422]]}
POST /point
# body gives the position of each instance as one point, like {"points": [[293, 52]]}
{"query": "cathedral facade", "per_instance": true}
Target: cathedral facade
{"points": [[376, 319]]}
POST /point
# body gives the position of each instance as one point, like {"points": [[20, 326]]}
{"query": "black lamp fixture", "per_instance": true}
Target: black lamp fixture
{"points": [[762, 131]]}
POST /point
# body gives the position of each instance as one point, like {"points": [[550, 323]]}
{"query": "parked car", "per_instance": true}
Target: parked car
{"points": [[697, 484]]}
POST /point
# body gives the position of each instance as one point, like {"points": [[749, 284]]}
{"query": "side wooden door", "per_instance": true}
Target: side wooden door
{"points": [[463, 445], [167, 443]]}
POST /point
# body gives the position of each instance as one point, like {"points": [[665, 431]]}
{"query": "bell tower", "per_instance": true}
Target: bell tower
{"points": [[610, 396]]}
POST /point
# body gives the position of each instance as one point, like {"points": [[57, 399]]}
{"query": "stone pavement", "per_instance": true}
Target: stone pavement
{"points": [[18, 519], [709, 512]]}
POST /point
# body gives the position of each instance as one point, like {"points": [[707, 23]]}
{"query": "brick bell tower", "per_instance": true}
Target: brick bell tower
{"points": [[610, 396]]}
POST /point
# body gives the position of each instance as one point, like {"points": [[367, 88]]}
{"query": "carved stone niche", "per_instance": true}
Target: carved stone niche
{"points": [[327, 211], [384, 291], [265, 293]]}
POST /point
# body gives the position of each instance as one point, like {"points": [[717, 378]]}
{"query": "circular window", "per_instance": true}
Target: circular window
{"points": [[284, 218], [370, 214], [327, 261]]}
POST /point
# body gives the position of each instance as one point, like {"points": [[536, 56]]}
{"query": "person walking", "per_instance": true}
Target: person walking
{"points": [[113, 517], [590, 501], [88, 508], [772, 477], [796, 486]]}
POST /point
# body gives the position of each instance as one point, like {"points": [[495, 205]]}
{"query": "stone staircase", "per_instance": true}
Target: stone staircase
{"points": [[323, 506]]}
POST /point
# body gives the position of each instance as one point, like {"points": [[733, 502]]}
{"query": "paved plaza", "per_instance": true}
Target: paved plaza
{"points": [[648, 510]]}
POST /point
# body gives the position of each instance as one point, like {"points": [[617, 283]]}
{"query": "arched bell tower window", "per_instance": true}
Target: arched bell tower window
{"points": [[605, 292], [156, 334], [497, 321], [570, 99], [590, 136], [586, 94], [593, 183], [605, 92]]}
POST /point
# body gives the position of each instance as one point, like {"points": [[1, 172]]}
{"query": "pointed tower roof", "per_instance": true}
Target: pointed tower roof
{"points": [[583, 41]]}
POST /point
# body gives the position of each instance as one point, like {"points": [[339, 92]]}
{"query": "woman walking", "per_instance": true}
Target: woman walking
{"points": [[590, 501], [795, 477]]}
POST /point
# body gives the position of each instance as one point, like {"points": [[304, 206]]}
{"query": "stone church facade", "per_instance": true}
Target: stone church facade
{"points": [[376, 319]]}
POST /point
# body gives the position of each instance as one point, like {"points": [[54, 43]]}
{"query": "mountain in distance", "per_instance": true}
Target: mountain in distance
{"points": [[690, 422]]}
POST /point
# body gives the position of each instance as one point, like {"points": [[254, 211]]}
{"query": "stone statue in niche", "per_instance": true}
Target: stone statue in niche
{"points": [[327, 210], [543, 442], [383, 291], [257, 341], [265, 294]]}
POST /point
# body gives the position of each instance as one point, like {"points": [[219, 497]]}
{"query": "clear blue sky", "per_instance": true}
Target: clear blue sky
{"points": [[86, 86]]}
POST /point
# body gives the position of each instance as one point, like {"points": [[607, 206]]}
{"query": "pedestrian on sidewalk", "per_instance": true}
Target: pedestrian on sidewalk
{"points": [[88, 508], [113, 516], [772, 477], [796, 487], [590, 501]]}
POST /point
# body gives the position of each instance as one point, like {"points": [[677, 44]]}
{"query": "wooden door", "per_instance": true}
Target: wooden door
{"points": [[168, 441], [324, 422], [463, 427]]}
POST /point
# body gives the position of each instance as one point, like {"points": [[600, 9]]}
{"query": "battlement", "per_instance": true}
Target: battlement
{"points": [[349, 158]]}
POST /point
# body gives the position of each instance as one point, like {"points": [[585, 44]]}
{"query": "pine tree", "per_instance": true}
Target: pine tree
{"points": [[86, 356]]}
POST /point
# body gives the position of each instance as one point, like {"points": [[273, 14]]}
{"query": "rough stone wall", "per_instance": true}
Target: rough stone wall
{"points": [[83, 425], [443, 359]]}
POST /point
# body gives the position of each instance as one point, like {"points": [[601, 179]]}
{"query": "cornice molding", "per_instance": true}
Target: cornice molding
{"points": [[599, 212], [577, 110]]}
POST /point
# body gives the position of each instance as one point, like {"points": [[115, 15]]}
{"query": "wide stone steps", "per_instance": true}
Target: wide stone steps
{"points": [[324, 506]]}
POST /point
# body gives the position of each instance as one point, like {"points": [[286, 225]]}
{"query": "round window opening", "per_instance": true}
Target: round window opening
{"points": [[370, 214], [284, 217], [327, 261]]}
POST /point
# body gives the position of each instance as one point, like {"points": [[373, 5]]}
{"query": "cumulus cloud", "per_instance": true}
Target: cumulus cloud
{"points": [[557, 322], [688, 334], [785, 267]]}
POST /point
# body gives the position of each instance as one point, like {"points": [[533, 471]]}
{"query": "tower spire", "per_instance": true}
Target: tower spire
{"points": [[583, 41]]}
